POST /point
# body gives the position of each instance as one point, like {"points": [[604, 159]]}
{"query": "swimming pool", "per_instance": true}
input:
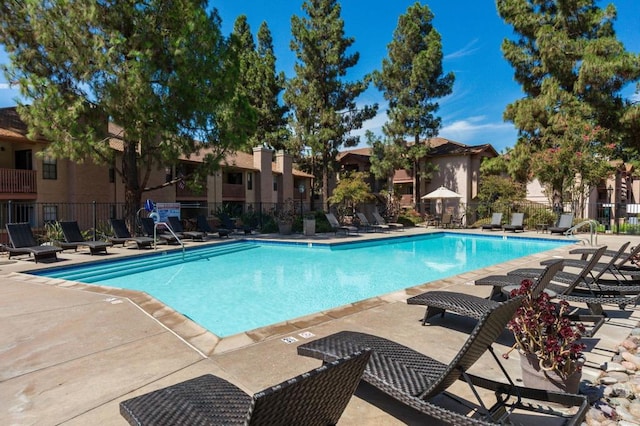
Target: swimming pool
{"points": [[242, 285]]}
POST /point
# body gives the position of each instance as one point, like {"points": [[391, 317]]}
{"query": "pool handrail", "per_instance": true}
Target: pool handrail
{"points": [[155, 236]]}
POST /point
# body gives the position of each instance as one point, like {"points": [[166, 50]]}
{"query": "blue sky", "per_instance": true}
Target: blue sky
{"points": [[471, 34]]}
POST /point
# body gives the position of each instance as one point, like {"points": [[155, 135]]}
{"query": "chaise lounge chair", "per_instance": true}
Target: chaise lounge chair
{"points": [[317, 397], [517, 223], [415, 379], [495, 224], [564, 224], [157, 232], [22, 241], [74, 239], [379, 220], [337, 227], [364, 223], [203, 226], [176, 226], [123, 236], [438, 302]]}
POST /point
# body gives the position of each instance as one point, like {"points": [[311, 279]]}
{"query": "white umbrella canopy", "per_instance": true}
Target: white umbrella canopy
{"points": [[441, 192]]}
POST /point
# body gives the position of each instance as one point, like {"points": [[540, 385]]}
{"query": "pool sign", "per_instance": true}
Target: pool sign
{"points": [[165, 210]]}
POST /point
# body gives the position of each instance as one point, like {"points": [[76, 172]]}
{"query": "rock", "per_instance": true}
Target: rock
{"points": [[623, 390], [629, 357], [630, 366], [624, 414], [619, 402], [635, 332], [629, 344], [634, 409], [613, 366], [608, 380], [621, 377]]}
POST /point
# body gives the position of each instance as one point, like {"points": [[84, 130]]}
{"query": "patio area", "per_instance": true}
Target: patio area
{"points": [[70, 352]]}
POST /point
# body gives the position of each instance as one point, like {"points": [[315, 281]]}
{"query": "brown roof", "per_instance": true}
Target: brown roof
{"points": [[439, 147], [11, 125]]}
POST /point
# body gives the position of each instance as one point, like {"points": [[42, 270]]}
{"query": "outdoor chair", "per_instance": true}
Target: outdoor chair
{"points": [[74, 239], [22, 241], [123, 236], [564, 224], [446, 221], [317, 397], [159, 232], [517, 223], [364, 222], [231, 225], [203, 226], [622, 265], [176, 226], [438, 302], [495, 224], [338, 227], [379, 220], [414, 378]]}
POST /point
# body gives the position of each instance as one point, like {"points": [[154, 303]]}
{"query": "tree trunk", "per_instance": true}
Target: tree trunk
{"points": [[132, 191]]}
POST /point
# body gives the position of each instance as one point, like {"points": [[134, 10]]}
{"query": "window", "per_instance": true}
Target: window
{"points": [[275, 183], [234, 178], [50, 213], [249, 181], [112, 175], [49, 168]]}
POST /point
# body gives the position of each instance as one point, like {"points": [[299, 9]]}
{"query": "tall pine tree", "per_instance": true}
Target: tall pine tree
{"points": [[412, 79], [323, 104], [572, 69]]}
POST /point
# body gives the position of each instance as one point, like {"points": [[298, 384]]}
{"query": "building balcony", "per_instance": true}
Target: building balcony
{"points": [[18, 184], [187, 194], [233, 192]]}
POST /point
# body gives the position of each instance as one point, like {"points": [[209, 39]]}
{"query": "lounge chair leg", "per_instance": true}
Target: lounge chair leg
{"points": [[432, 311]]}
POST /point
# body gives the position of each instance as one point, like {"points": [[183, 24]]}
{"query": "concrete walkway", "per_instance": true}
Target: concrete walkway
{"points": [[69, 354]]}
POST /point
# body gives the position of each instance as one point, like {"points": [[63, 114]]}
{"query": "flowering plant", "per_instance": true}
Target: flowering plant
{"points": [[542, 328], [286, 213]]}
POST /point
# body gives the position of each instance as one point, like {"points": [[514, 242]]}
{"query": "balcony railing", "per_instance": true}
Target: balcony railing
{"points": [[14, 181], [231, 191]]}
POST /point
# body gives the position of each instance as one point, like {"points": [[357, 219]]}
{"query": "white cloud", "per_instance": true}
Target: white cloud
{"points": [[467, 50], [5, 86]]}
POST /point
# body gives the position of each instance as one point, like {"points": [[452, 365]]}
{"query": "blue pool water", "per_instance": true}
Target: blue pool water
{"points": [[240, 286]]}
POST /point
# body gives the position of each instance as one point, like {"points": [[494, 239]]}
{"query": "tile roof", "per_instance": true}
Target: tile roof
{"points": [[439, 147]]}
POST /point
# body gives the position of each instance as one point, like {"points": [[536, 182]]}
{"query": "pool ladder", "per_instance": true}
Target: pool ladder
{"points": [[593, 231], [166, 226]]}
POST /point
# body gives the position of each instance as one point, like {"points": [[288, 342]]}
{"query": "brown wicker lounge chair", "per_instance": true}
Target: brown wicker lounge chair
{"points": [[415, 378], [22, 241], [123, 236], [317, 397], [438, 302], [74, 239]]}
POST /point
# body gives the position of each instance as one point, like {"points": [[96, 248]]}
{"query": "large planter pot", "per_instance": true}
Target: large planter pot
{"points": [[284, 228], [535, 377]]}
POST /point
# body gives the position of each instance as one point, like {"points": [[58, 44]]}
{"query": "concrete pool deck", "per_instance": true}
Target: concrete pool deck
{"points": [[70, 354]]}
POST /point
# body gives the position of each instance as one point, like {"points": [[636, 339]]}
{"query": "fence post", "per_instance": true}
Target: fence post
{"points": [[10, 212], [95, 223]]}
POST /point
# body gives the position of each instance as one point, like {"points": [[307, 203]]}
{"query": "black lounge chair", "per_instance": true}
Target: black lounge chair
{"points": [[74, 239], [123, 236], [364, 223], [150, 230], [22, 241], [203, 226], [517, 223], [438, 302], [414, 378], [621, 266], [178, 229], [564, 224], [495, 224], [338, 227], [379, 220], [317, 397], [229, 224]]}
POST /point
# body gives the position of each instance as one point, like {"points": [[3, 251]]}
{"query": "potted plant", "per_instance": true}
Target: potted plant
{"points": [[550, 345], [285, 216]]}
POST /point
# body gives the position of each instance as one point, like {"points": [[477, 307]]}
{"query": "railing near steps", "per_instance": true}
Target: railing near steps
{"points": [[593, 230], [168, 228]]}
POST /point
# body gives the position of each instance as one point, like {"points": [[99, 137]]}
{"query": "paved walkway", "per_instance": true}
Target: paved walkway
{"points": [[69, 354]]}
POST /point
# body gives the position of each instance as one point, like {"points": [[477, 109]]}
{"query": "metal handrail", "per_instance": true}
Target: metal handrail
{"points": [[593, 230], [155, 235]]}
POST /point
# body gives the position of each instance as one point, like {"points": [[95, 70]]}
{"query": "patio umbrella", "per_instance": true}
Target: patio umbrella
{"points": [[441, 194]]}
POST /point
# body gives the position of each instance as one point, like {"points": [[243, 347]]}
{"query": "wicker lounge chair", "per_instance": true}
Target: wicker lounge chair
{"points": [[318, 397], [415, 379], [495, 224], [203, 226], [446, 221], [338, 227], [123, 236], [364, 223], [517, 223], [176, 226], [438, 302], [379, 220], [22, 241], [621, 266], [564, 224], [74, 239]]}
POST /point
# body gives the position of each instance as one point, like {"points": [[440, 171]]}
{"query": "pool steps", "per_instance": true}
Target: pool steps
{"points": [[125, 267]]}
